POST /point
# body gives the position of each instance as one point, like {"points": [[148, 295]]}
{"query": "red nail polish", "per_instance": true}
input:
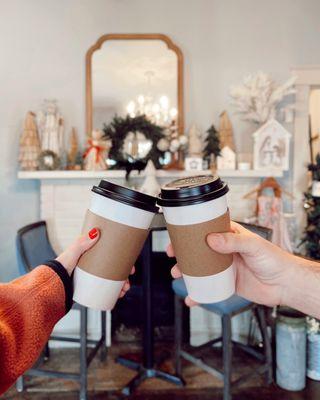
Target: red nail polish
{"points": [[93, 233]]}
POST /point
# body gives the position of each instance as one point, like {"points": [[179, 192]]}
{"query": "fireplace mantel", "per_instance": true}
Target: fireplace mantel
{"points": [[120, 174]]}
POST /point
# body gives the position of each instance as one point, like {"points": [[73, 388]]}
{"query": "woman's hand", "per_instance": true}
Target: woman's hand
{"points": [[70, 257], [264, 271]]}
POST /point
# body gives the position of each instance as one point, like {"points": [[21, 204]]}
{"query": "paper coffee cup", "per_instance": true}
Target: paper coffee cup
{"points": [[194, 207], [123, 217]]}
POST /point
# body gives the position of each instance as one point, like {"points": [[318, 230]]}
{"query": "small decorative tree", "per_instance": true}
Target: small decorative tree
{"points": [[150, 185], [74, 148], [226, 132], [29, 144], [212, 145], [78, 164]]}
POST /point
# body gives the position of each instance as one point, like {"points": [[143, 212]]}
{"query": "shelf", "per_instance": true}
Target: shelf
{"points": [[120, 174]]}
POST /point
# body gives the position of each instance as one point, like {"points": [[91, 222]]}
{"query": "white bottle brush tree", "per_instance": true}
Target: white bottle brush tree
{"points": [[29, 144], [258, 96], [150, 185]]}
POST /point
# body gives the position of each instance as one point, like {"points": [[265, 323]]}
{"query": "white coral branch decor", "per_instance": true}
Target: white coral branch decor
{"points": [[258, 97]]}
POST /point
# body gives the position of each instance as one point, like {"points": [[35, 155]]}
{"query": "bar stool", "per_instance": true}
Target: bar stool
{"points": [[33, 248], [225, 310]]}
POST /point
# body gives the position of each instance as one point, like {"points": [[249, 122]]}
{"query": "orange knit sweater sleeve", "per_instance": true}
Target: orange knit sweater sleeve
{"points": [[30, 306]]}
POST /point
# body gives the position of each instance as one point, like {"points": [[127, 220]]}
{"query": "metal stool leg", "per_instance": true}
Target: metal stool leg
{"points": [[46, 352], [178, 309], [266, 343], [227, 356], [20, 384], [83, 352], [103, 351]]}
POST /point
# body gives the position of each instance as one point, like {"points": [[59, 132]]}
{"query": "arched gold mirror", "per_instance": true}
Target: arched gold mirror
{"points": [[134, 74]]}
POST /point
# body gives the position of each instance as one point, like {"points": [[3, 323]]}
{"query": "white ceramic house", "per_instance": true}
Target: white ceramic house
{"points": [[271, 147], [227, 159]]}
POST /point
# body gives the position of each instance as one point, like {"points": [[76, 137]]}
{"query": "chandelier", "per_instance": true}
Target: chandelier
{"points": [[158, 112]]}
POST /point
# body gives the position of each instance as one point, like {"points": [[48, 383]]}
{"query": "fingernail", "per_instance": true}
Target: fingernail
{"points": [[216, 238], [93, 233]]}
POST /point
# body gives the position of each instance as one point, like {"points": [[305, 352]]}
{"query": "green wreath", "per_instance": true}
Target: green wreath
{"points": [[117, 131]]}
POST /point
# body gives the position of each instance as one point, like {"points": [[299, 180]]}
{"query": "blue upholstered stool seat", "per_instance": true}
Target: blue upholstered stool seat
{"points": [[230, 306]]}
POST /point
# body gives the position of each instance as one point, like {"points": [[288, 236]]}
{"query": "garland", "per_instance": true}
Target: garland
{"points": [[117, 131]]}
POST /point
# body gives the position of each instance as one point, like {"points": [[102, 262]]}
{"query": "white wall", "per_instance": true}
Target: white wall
{"points": [[43, 45]]}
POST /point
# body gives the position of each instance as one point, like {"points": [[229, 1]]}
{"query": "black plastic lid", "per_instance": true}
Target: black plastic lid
{"points": [[126, 196], [192, 190]]}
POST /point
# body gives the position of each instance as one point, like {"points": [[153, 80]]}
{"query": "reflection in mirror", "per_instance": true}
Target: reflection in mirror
{"points": [[134, 77], [136, 146]]}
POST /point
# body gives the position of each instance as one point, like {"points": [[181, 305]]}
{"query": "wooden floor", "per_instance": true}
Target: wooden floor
{"points": [[106, 379]]}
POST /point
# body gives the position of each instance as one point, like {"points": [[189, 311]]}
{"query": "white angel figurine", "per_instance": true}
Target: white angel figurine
{"points": [[51, 127], [96, 153]]}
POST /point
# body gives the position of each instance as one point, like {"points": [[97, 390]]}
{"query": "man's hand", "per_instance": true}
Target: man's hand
{"points": [[263, 270]]}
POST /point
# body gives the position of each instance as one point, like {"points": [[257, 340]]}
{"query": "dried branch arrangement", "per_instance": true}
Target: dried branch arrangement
{"points": [[257, 98]]}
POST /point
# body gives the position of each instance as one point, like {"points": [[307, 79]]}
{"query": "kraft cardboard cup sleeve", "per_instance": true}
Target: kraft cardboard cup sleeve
{"points": [[194, 207], [123, 217]]}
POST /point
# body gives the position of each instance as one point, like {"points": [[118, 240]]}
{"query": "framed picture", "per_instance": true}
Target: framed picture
{"points": [[193, 164], [271, 147]]}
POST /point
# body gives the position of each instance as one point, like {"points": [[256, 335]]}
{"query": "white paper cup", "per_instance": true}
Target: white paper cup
{"points": [[212, 288], [179, 215], [123, 224], [95, 292]]}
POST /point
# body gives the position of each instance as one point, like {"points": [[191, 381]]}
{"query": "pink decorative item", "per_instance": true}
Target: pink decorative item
{"points": [[271, 216]]}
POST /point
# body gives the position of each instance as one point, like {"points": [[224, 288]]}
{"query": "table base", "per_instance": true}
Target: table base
{"points": [[145, 373]]}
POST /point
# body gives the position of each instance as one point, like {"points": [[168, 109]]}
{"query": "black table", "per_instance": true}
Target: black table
{"points": [[147, 369]]}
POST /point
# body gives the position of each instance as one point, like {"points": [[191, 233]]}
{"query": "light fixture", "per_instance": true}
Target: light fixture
{"points": [[158, 112], [131, 108]]}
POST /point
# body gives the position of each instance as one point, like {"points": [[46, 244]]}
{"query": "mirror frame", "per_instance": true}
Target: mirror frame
{"points": [[134, 36]]}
